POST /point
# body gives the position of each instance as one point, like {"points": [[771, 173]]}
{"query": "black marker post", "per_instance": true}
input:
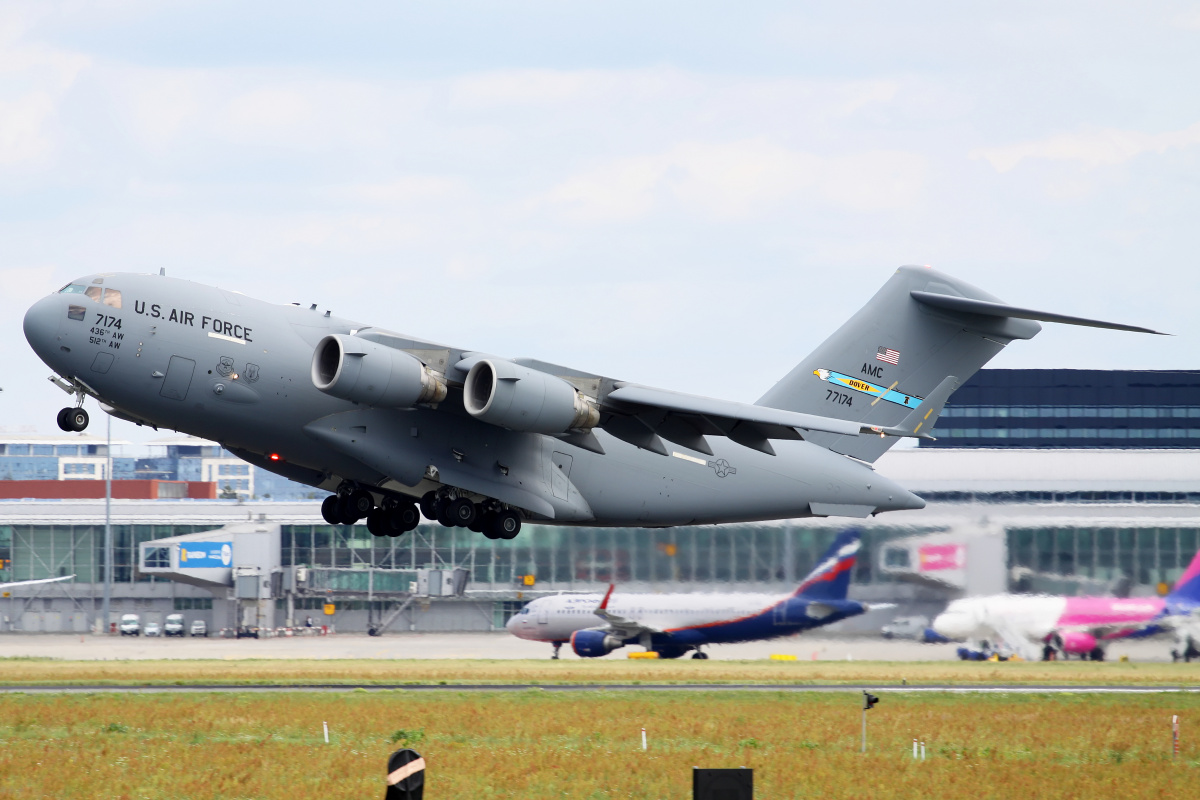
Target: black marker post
{"points": [[406, 776]]}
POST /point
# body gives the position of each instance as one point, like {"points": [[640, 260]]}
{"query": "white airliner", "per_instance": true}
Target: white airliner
{"points": [[673, 624], [1045, 626]]}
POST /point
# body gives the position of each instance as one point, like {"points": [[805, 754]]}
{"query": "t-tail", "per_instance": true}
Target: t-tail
{"points": [[1186, 591], [919, 338], [830, 578]]}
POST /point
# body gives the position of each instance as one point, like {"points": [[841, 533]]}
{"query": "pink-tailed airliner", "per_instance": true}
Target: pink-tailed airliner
{"points": [[1047, 627]]}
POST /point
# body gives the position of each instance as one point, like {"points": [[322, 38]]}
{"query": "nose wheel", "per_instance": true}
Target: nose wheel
{"points": [[73, 420]]}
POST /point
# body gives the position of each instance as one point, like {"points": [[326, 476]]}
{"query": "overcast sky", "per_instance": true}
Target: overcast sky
{"points": [[686, 194]]}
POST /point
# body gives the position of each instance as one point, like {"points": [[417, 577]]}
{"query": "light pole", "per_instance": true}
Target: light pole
{"points": [[108, 542]]}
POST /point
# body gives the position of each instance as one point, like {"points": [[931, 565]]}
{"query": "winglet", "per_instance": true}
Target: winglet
{"points": [[921, 420], [608, 594]]}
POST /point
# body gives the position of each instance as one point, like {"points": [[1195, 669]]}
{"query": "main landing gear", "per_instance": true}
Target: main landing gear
{"points": [[394, 518], [73, 420], [397, 517], [488, 517]]}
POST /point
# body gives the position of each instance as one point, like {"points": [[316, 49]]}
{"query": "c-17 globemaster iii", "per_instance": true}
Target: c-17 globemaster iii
{"points": [[385, 421]]}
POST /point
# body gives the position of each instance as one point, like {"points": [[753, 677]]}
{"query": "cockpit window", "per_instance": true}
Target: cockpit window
{"points": [[97, 294], [525, 610]]}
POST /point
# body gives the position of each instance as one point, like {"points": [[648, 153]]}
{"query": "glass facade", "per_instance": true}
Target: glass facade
{"points": [[51, 551], [1068, 408]]}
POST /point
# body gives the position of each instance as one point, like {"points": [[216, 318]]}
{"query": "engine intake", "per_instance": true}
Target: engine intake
{"points": [[593, 644], [521, 399], [1078, 642], [373, 374]]}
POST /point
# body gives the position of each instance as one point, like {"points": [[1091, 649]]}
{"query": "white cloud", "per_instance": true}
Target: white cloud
{"points": [[1103, 147], [737, 179]]}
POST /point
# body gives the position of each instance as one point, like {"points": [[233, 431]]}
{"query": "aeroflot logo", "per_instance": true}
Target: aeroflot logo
{"points": [[830, 563]]}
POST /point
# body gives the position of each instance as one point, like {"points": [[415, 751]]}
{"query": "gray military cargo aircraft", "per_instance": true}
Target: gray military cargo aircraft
{"points": [[390, 424]]}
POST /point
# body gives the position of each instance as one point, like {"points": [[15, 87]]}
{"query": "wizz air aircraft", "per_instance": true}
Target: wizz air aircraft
{"points": [[1044, 627], [385, 421], [673, 624]]}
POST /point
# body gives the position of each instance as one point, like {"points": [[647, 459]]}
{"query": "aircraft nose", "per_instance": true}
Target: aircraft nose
{"points": [[953, 625], [41, 326]]}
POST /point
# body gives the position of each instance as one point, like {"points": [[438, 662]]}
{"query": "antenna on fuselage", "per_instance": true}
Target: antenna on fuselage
{"points": [[162, 271]]}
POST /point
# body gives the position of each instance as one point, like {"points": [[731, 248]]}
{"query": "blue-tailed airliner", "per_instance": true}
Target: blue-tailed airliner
{"points": [[674, 624]]}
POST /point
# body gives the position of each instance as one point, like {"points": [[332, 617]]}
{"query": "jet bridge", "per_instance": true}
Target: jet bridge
{"points": [[241, 563]]}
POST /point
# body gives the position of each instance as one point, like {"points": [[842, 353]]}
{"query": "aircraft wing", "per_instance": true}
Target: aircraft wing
{"points": [[644, 416], [39, 580], [617, 625]]}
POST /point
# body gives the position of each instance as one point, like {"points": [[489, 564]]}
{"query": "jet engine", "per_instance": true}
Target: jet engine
{"points": [[592, 644], [521, 399], [1077, 642], [373, 374]]}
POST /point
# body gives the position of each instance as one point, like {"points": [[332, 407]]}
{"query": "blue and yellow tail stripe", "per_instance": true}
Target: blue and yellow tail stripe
{"points": [[887, 393]]}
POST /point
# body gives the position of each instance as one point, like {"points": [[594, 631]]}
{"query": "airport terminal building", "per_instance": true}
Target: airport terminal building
{"points": [[1062, 513]]}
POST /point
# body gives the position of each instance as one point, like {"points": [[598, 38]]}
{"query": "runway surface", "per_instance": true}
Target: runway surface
{"points": [[501, 645], [638, 687]]}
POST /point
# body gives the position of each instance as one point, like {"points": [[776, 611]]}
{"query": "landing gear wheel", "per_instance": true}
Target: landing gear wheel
{"points": [[404, 518], [477, 524], [443, 514], [377, 522], [359, 504], [429, 506], [700, 656], [487, 525], [462, 512], [329, 510], [73, 420], [1098, 654], [506, 525]]}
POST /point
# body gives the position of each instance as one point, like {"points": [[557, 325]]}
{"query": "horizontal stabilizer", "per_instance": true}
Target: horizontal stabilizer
{"points": [[966, 305], [921, 420]]}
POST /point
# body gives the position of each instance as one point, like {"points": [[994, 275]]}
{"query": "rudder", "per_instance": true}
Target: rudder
{"points": [[830, 578]]}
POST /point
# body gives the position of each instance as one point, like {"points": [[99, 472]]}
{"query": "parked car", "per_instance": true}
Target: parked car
{"points": [[906, 628], [152, 629], [174, 625], [130, 625], [199, 628]]}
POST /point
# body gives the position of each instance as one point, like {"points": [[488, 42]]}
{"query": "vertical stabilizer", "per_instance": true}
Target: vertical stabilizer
{"points": [[830, 578], [1187, 588], [886, 359]]}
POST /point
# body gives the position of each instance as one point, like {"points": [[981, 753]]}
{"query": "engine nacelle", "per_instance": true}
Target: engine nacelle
{"points": [[1077, 642], [593, 644], [373, 374], [510, 396]]}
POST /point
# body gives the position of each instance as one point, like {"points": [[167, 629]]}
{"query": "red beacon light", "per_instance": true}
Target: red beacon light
{"points": [[274, 457]]}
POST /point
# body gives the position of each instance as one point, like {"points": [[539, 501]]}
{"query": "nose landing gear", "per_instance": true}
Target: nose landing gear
{"points": [[73, 420]]}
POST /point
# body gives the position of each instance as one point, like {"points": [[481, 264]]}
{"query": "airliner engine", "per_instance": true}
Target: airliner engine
{"points": [[593, 644]]}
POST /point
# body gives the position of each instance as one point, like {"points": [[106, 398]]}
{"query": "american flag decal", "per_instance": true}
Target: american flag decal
{"points": [[889, 355]]}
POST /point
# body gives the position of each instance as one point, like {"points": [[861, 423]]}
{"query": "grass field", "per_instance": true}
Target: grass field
{"points": [[534, 745], [610, 670]]}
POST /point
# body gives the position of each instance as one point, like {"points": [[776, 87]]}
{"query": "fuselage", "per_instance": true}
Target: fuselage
{"points": [[219, 365], [683, 619], [1037, 618]]}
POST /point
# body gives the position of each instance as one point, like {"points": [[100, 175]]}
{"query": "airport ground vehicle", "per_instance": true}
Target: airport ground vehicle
{"points": [[173, 625], [905, 628], [152, 629], [130, 625], [199, 628]]}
